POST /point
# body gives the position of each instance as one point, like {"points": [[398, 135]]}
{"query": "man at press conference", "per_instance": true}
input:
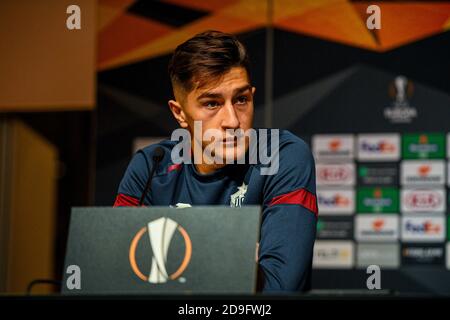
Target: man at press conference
{"points": [[210, 76]]}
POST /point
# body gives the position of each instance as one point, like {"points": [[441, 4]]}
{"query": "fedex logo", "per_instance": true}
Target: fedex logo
{"points": [[336, 201], [378, 147], [426, 228]]}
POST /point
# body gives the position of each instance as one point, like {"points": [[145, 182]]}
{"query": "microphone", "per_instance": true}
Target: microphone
{"points": [[158, 155]]}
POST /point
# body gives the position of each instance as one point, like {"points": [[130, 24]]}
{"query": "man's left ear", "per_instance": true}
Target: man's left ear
{"points": [[178, 113], [253, 90]]}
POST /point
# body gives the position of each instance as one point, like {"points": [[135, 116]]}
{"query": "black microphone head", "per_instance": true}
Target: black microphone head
{"points": [[158, 154]]}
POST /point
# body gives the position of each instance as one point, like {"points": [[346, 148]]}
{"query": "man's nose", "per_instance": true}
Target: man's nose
{"points": [[230, 119]]}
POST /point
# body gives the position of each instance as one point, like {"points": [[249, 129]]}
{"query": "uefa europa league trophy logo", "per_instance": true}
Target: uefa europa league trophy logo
{"points": [[400, 111]]}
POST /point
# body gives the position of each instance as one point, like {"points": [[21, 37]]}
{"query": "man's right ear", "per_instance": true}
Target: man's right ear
{"points": [[178, 113]]}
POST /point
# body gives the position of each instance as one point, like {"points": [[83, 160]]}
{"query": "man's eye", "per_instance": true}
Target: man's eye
{"points": [[242, 100], [211, 104]]}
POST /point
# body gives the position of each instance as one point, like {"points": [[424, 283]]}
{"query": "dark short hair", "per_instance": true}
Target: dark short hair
{"points": [[205, 58]]}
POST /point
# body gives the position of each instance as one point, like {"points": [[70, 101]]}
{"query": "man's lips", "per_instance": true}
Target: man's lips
{"points": [[229, 142], [233, 139]]}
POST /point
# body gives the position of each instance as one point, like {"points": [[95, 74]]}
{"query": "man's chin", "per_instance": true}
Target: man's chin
{"points": [[232, 155]]}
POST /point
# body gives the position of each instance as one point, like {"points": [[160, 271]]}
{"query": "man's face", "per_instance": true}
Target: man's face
{"points": [[224, 105]]}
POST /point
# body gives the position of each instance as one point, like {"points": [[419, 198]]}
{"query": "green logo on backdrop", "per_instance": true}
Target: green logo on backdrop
{"points": [[423, 146], [363, 171], [448, 227], [378, 200], [320, 225]]}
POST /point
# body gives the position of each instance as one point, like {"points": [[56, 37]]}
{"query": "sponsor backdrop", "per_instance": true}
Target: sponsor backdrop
{"points": [[374, 107], [383, 200]]}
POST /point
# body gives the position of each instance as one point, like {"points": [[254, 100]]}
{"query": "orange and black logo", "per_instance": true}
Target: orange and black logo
{"points": [[160, 233]]}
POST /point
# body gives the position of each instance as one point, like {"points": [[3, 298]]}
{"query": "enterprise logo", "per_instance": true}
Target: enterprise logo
{"points": [[423, 172], [372, 227], [333, 146]]}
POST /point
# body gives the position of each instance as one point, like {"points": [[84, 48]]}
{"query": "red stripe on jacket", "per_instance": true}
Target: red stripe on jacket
{"points": [[174, 167], [301, 197], [122, 200]]}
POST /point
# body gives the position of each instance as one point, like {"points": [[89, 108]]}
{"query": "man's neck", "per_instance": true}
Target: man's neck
{"points": [[208, 168]]}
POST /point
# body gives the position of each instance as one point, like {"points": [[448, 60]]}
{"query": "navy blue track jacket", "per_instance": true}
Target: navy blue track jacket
{"points": [[288, 200]]}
